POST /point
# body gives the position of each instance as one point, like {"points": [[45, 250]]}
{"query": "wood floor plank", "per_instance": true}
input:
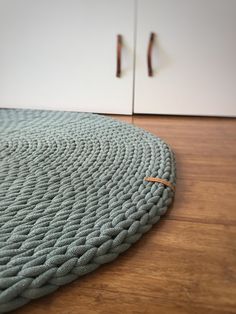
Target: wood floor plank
{"points": [[204, 201], [93, 301]]}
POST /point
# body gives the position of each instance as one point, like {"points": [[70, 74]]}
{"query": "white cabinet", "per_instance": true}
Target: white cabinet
{"points": [[62, 54], [193, 57]]}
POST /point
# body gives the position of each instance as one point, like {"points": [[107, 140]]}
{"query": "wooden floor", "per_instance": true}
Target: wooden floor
{"points": [[187, 262]]}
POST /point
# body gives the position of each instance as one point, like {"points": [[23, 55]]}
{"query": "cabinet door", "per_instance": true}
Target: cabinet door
{"points": [[193, 57], [61, 54]]}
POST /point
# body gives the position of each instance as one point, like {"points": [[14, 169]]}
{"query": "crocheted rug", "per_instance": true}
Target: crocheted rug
{"points": [[76, 190]]}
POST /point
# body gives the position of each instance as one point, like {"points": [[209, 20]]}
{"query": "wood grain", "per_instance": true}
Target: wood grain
{"points": [[187, 262]]}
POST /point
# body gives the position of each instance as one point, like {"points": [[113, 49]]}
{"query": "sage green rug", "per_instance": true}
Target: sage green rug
{"points": [[76, 190]]}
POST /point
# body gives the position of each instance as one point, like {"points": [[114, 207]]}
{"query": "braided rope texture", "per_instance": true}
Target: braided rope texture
{"points": [[72, 196]]}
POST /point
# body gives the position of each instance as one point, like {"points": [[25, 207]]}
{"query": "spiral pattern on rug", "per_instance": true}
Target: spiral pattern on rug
{"points": [[72, 196]]}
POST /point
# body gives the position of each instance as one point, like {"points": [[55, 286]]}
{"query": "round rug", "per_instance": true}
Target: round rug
{"points": [[76, 190]]}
